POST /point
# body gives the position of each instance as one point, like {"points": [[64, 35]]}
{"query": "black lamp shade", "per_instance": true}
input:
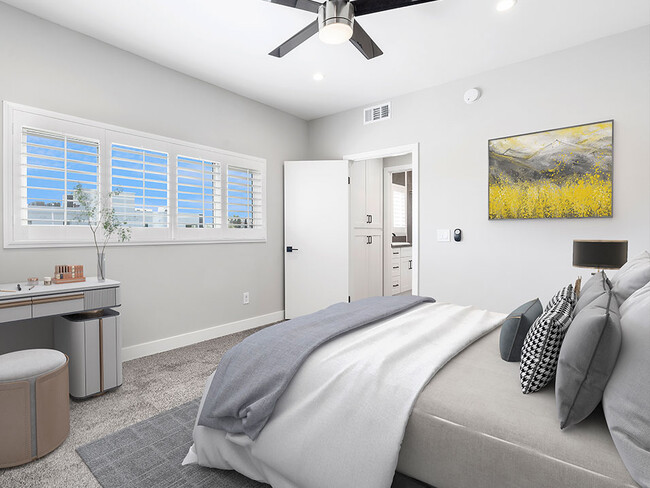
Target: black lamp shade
{"points": [[599, 254]]}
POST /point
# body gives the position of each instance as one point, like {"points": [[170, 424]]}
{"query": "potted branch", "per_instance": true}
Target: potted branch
{"points": [[98, 214]]}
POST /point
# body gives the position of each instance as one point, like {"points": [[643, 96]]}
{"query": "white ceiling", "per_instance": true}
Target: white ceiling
{"points": [[225, 42]]}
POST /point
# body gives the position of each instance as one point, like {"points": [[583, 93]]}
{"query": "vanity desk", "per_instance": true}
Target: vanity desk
{"points": [[85, 327], [56, 299]]}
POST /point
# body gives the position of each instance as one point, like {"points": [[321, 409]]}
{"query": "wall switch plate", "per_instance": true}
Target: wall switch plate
{"points": [[246, 298], [443, 235]]}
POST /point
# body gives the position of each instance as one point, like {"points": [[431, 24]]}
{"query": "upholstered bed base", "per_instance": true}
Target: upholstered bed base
{"points": [[472, 426]]}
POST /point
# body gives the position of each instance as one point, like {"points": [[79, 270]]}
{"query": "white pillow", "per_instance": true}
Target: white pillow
{"points": [[627, 394], [633, 275], [636, 299]]}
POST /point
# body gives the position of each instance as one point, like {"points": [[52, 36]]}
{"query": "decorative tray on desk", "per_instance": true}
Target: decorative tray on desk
{"points": [[66, 273]]}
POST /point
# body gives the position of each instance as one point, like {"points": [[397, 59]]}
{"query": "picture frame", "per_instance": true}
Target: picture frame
{"points": [[558, 173]]}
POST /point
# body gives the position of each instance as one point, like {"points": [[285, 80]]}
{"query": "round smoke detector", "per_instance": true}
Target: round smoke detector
{"points": [[471, 95]]}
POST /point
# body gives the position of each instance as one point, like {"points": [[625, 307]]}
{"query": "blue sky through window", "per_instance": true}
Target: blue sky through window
{"points": [[198, 192], [54, 164], [141, 177]]}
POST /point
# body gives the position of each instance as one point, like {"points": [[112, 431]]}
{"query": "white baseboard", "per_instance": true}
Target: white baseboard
{"points": [[162, 345]]}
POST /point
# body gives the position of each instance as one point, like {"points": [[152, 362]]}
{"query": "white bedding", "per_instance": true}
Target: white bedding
{"points": [[341, 421]]}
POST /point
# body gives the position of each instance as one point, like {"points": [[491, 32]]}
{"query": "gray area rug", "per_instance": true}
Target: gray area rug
{"points": [[150, 453]]}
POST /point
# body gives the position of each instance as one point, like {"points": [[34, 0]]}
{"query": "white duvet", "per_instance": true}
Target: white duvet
{"points": [[341, 421]]}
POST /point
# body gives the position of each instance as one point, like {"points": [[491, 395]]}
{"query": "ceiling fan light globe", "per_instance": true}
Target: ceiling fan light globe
{"points": [[335, 33], [504, 5]]}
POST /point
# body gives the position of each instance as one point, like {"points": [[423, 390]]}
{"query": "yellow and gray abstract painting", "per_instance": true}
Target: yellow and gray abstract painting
{"points": [[560, 173]]}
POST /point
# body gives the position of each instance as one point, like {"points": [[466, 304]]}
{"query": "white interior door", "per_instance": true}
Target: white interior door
{"points": [[316, 235]]}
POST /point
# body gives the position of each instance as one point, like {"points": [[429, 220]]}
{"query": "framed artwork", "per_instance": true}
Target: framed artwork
{"points": [[559, 173]]}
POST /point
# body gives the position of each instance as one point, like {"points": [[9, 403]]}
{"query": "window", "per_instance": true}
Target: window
{"points": [[139, 176], [167, 191], [399, 209], [244, 198], [53, 165], [198, 189]]}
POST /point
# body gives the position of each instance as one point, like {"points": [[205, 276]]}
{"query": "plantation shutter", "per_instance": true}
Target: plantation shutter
{"points": [[52, 165], [244, 198], [141, 177], [399, 209], [198, 193]]}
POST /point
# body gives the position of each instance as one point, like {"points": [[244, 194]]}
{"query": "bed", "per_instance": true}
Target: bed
{"points": [[472, 427], [467, 425]]}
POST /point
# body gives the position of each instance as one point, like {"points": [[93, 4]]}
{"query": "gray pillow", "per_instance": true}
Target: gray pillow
{"points": [[595, 287], [515, 328], [587, 358], [633, 275], [627, 395]]}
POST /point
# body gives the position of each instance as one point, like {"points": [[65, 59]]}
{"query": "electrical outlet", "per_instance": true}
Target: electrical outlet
{"points": [[246, 298], [443, 235]]}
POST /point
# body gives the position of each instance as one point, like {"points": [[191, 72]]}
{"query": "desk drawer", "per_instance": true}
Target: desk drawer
{"points": [[57, 304], [18, 309], [102, 298]]}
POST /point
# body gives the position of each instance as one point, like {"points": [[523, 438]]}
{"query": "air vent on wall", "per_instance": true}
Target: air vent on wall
{"points": [[376, 113]]}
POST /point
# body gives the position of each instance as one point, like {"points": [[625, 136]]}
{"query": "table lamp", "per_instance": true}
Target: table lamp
{"points": [[598, 254]]}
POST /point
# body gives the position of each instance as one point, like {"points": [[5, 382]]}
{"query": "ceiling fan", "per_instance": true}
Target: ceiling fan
{"points": [[336, 22]]}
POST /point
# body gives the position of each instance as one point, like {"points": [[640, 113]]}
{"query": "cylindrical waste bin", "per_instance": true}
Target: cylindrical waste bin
{"points": [[93, 342]]}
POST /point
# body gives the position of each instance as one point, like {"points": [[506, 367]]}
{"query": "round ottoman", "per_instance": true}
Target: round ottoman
{"points": [[34, 408]]}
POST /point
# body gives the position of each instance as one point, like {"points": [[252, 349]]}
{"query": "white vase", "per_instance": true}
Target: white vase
{"points": [[101, 266]]}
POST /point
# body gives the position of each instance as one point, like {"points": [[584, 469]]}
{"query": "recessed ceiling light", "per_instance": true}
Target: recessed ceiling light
{"points": [[318, 77], [504, 5]]}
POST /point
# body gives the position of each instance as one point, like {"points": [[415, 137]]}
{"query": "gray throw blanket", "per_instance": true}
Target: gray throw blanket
{"points": [[252, 376]]}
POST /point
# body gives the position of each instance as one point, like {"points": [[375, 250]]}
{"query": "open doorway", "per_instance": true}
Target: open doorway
{"points": [[398, 225], [384, 234]]}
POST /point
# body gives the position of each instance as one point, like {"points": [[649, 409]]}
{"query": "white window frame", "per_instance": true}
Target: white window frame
{"points": [[15, 235]]}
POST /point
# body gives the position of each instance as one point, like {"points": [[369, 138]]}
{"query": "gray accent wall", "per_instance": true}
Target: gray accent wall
{"points": [[170, 290], [501, 264], [167, 290]]}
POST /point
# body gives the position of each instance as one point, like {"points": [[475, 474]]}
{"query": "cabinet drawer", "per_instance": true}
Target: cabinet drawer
{"points": [[395, 252], [395, 287], [11, 310], [395, 268], [57, 304]]}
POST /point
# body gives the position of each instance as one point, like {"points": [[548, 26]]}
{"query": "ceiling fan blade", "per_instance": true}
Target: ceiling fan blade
{"points": [[308, 5], [363, 43], [363, 7], [296, 40]]}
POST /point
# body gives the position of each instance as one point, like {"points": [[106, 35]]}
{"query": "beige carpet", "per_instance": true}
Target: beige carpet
{"points": [[151, 385]]}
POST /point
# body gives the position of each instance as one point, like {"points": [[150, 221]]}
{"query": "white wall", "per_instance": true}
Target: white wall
{"points": [[167, 290], [500, 264]]}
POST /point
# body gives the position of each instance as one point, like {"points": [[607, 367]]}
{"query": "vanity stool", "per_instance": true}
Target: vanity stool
{"points": [[34, 404]]}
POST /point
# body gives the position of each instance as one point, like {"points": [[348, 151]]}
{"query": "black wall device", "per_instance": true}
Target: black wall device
{"points": [[458, 234]]}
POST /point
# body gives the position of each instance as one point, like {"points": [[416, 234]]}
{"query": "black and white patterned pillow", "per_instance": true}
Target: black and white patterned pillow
{"points": [[567, 294], [541, 349]]}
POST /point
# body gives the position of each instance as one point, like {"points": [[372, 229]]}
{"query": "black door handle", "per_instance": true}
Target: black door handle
{"points": [[410, 264], [370, 217], [291, 249]]}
